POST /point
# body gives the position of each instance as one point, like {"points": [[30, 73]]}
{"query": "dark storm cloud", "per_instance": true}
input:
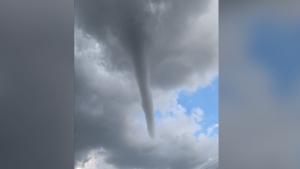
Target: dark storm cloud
{"points": [[170, 34], [134, 34]]}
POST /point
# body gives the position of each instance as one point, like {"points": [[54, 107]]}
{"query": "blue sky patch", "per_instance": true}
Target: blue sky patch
{"points": [[205, 99]]}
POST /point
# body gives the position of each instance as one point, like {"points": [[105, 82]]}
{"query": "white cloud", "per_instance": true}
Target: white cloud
{"points": [[96, 160], [210, 129]]}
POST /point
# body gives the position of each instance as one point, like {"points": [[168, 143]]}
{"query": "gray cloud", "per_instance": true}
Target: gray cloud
{"points": [[133, 28], [178, 42], [106, 119], [181, 41]]}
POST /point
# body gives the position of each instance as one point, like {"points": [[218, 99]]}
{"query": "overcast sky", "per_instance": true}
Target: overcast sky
{"points": [[178, 41]]}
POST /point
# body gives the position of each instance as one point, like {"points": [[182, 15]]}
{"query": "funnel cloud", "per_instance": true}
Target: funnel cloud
{"points": [[122, 24], [134, 42]]}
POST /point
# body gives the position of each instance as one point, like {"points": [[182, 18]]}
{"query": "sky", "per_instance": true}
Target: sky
{"points": [[130, 55], [207, 99]]}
